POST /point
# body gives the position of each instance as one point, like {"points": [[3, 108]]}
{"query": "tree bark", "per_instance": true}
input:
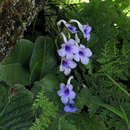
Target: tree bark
{"points": [[15, 16]]}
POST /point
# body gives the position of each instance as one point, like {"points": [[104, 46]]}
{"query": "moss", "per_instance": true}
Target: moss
{"points": [[15, 16]]}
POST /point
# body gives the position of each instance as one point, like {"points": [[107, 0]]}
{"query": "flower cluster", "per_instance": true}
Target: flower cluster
{"points": [[85, 29], [67, 95], [70, 51], [72, 29]]}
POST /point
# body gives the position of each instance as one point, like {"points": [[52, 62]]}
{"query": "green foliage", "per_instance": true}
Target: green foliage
{"points": [[96, 103], [3, 97], [111, 55], [51, 113], [13, 74], [102, 86], [64, 124], [106, 77], [121, 113], [82, 121], [28, 61], [43, 58], [50, 85], [48, 111], [20, 53], [13, 68], [15, 107], [121, 88], [113, 59]]}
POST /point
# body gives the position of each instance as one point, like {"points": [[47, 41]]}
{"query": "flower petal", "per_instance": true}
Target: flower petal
{"points": [[71, 28], [75, 49], [89, 28], [69, 108], [69, 56], [88, 52], [84, 60], [71, 41], [62, 45], [72, 64], [69, 86], [67, 71], [88, 36], [62, 85], [73, 109], [82, 46], [84, 27], [71, 102], [64, 99], [72, 95], [76, 58], [61, 52], [60, 92]]}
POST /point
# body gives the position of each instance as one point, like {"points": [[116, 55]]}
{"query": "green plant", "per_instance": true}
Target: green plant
{"points": [[15, 107], [102, 86]]}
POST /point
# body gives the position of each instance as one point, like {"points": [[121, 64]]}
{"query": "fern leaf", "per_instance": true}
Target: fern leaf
{"points": [[48, 111]]}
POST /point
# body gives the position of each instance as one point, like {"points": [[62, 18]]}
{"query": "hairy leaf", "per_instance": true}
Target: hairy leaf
{"points": [[20, 53], [17, 112], [13, 74], [43, 58]]}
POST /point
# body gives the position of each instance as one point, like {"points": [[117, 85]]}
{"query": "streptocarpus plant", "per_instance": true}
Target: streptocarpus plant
{"points": [[71, 52], [67, 95]]}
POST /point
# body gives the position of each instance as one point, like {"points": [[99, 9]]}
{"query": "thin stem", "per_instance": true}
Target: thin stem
{"points": [[61, 21], [70, 78], [77, 39], [79, 24], [64, 37]]}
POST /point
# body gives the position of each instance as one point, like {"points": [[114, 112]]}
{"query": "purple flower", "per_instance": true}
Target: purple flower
{"points": [[67, 49], [71, 28], [86, 29], [66, 93], [83, 54], [69, 108], [67, 65]]}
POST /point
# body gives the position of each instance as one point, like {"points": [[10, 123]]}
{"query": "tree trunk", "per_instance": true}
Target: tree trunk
{"points": [[15, 16]]}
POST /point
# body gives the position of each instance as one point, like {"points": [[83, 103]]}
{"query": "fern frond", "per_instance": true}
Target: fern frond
{"points": [[48, 111]]}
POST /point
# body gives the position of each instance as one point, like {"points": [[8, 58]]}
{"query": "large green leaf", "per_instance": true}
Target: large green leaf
{"points": [[20, 53], [17, 113], [3, 96], [50, 85], [43, 58], [14, 73]]}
